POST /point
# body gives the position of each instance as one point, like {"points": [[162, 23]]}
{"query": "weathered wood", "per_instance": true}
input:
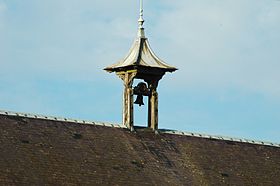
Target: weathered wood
{"points": [[127, 78], [149, 110], [141, 63], [154, 110]]}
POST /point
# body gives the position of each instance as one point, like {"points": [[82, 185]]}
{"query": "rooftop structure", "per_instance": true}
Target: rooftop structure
{"points": [[140, 63]]}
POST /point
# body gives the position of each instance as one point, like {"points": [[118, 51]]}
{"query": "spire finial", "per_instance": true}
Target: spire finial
{"points": [[141, 21]]}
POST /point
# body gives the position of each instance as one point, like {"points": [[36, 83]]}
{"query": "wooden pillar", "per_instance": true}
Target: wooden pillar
{"points": [[149, 111], [123, 106], [154, 110], [127, 78], [129, 108], [153, 106]]}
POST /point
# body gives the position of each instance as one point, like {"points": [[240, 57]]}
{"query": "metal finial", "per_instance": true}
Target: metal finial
{"points": [[141, 20], [141, 32]]}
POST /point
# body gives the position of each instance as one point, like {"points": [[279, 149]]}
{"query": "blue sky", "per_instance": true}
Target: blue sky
{"points": [[52, 54]]}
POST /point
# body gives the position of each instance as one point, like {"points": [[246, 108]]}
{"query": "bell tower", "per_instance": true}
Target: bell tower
{"points": [[140, 63]]}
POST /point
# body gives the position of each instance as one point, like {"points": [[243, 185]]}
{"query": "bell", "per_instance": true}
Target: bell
{"points": [[139, 100]]}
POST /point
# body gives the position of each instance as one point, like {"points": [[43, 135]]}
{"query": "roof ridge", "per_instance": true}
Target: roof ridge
{"points": [[220, 137], [54, 118], [164, 131]]}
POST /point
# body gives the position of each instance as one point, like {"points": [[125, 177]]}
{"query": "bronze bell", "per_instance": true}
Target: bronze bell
{"points": [[139, 100]]}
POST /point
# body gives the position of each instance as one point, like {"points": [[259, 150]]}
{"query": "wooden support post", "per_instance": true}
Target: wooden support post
{"points": [[128, 78], [124, 106], [153, 105], [130, 108], [154, 110], [149, 111]]}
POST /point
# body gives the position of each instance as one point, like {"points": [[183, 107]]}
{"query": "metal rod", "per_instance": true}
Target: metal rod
{"points": [[141, 8]]}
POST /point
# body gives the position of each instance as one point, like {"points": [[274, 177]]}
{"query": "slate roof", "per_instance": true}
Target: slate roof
{"points": [[52, 151]]}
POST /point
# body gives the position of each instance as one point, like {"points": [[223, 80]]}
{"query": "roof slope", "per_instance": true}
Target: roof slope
{"points": [[46, 152], [141, 55]]}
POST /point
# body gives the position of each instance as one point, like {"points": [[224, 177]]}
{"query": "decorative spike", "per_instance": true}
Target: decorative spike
{"points": [[141, 20], [141, 32]]}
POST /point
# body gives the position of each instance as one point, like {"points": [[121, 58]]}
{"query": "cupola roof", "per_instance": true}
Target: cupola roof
{"points": [[140, 54]]}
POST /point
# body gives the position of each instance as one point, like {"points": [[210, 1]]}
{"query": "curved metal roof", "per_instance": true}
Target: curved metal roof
{"points": [[141, 54]]}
